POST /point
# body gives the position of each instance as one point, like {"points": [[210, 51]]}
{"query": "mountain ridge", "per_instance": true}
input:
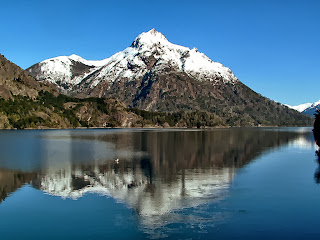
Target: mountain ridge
{"points": [[187, 60], [155, 75], [26, 103], [16, 81], [307, 108]]}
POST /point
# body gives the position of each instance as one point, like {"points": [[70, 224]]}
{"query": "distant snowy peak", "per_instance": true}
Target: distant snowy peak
{"points": [[96, 63], [64, 69], [66, 61], [316, 103], [301, 107], [307, 108], [150, 51]]}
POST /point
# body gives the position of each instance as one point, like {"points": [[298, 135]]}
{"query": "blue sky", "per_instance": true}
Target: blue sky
{"points": [[271, 46]]}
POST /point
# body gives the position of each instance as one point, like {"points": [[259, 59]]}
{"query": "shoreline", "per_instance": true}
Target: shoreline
{"points": [[158, 127]]}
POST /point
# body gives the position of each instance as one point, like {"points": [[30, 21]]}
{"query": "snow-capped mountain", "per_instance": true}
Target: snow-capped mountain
{"points": [[156, 75], [149, 49], [307, 108], [300, 107]]}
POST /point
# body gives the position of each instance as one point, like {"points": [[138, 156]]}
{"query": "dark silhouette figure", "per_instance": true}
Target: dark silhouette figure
{"points": [[316, 128], [316, 134]]}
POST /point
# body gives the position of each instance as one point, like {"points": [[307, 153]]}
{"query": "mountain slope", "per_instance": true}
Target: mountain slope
{"points": [[312, 109], [15, 81], [26, 103], [156, 75]]}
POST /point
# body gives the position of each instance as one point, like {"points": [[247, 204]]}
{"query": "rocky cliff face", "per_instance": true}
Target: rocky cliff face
{"points": [[16, 81], [156, 75]]}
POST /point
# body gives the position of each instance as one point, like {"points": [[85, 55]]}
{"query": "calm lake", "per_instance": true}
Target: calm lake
{"points": [[238, 183]]}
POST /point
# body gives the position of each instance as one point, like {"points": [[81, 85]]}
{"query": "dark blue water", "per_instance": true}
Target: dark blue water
{"points": [[159, 184]]}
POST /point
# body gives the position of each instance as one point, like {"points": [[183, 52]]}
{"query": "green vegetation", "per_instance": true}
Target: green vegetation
{"points": [[51, 111], [182, 119], [48, 110]]}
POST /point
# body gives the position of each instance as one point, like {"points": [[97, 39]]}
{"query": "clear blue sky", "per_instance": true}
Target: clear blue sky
{"points": [[273, 46]]}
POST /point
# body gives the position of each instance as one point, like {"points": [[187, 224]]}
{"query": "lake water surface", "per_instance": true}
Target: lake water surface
{"points": [[238, 183]]}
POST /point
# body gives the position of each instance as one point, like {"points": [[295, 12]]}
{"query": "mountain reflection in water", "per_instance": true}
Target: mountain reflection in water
{"points": [[158, 172]]}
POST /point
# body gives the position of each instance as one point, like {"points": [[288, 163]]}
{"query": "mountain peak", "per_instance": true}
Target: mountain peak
{"points": [[150, 38], [307, 108], [154, 32], [74, 56]]}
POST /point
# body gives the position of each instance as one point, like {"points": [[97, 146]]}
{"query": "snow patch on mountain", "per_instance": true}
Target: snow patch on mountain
{"points": [[303, 107], [60, 69], [300, 107], [189, 60], [96, 63]]}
